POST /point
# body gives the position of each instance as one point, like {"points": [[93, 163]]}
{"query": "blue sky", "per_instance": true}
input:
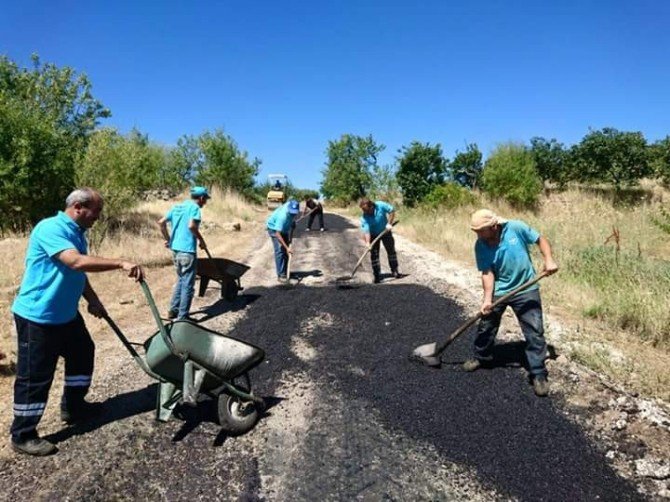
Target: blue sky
{"points": [[285, 77]]}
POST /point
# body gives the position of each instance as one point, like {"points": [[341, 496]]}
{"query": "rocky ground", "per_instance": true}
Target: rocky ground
{"points": [[349, 416]]}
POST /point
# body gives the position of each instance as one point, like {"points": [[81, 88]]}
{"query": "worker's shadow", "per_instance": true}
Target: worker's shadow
{"points": [[206, 412], [508, 355], [224, 306], [113, 409], [299, 275]]}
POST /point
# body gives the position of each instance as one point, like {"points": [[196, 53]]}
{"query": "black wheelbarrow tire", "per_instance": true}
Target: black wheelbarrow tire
{"points": [[236, 416]]}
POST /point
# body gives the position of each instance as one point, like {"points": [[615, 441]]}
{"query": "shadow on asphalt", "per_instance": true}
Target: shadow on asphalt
{"points": [[505, 355], [519, 444], [113, 409], [206, 411]]}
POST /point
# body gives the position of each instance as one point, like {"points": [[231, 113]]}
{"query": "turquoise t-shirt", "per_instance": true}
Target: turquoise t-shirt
{"points": [[280, 220], [50, 290], [182, 239], [510, 260], [375, 223]]}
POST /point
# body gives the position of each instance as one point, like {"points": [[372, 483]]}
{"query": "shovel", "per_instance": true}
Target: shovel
{"points": [[346, 278], [429, 353], [290, 248]]}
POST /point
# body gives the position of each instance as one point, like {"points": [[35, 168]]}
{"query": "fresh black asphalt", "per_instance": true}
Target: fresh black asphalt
{"points": [[489, 420]]}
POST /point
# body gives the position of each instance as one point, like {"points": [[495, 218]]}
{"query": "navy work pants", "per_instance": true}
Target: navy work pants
{"points": [[39, 347], [389, 245], [527, 307]]}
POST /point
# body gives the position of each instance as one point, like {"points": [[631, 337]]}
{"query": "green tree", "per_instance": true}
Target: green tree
{"points": [[421, 167], [47, 114], [612, 156], [659, 159], [466, 168], [510, 174], [551, 160], [384, 183], [348, 172], [220, 162], [121, 168]]}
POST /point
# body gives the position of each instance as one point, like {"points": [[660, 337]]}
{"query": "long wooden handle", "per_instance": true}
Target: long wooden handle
{"points": [[307, 214], [360, 260], [474, 319]]}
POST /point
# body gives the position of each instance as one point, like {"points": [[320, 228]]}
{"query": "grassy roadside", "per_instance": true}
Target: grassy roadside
{"points": [[138, 240], [613, 298]]}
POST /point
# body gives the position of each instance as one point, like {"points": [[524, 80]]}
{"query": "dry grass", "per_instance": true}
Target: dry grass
{"points": [[138, 239]]}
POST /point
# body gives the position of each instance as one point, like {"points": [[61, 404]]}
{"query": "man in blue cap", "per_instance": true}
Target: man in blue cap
{"points": [[184, 219], [279, 226], [48, 323]]}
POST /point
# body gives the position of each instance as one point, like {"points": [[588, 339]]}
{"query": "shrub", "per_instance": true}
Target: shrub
{"points": [[450, 195], [510, 174]]}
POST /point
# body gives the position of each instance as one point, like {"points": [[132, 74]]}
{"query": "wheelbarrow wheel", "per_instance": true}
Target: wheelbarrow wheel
{"points": [[237, 416]]}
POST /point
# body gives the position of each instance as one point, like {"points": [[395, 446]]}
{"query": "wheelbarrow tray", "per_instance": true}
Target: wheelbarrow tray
{"points": [[219, 269], [225, 272], [225, 357]]}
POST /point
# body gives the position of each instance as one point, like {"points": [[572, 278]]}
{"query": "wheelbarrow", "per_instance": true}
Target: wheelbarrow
{"points": [[226, 272], [189, 360]]}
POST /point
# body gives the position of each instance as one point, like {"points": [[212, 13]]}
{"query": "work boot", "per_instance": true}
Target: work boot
{"points": [[80, 413], [308, 229], [377, 279], [172, 314], [396, 274], [472, 364], [541, 385], [282, 279], [322, 229], [36, 446]]}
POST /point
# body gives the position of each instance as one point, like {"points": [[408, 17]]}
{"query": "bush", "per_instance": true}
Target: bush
{"points": [[510, 174], [449, 195], [120, 168]]}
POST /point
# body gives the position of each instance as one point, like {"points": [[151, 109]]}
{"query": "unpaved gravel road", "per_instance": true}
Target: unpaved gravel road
{"points": [[350, 417]]}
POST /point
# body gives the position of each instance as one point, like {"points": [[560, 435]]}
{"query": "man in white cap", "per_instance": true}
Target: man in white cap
{"points": [[502, 256], [184, 219]]}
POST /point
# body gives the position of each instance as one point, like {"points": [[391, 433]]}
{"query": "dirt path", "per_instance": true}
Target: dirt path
{"points": [[350, 416]]}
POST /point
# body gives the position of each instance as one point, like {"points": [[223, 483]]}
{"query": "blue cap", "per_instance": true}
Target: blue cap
{"points": [[293, 207], [199, 192]]}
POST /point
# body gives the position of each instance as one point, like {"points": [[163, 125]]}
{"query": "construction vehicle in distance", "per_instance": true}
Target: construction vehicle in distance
{"points": [[277, 194]]}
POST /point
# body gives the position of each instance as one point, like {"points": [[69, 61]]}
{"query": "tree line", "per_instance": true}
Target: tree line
{"points": [[51, 141], [515, 172]]}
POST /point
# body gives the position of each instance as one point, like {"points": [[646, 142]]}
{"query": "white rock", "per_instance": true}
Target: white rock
{"points": [[652, 468]]}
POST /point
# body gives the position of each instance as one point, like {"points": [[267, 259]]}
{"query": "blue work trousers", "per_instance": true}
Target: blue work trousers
{"points": [[527, 307], [184, 289], [281, 255]]}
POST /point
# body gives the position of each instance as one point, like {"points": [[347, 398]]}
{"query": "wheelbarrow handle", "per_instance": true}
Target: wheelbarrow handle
{"points": [[159, 322], [138, 359]]}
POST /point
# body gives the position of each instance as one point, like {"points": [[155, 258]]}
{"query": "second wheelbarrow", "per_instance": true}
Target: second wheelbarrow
{"points": [[226, 272], [189, 360]]}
